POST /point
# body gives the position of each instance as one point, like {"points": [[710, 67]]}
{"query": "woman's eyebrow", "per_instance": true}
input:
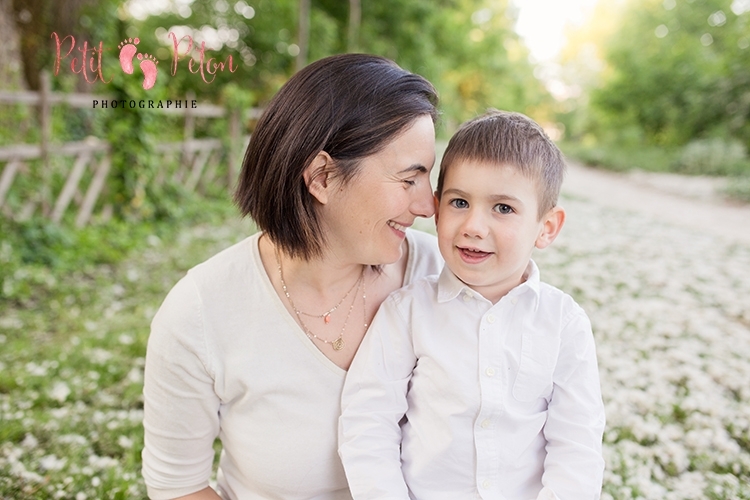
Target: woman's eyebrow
{"points": [[413, 168]]}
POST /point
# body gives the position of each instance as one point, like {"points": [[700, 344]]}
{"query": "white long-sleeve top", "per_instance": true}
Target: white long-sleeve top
{"points": [[501, 401], [225, 358]]}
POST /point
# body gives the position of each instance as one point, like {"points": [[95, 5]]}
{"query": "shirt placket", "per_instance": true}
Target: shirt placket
{"points": [[491, 380]]}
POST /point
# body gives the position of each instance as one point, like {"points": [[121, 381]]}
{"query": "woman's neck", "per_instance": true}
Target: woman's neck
{"points": [[324, 275]]}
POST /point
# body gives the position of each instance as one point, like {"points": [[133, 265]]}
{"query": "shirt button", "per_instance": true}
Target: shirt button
{"points": [[486, 423], [514, 300], [491, 318], [467, 297], [490, 372], [486, 484]]}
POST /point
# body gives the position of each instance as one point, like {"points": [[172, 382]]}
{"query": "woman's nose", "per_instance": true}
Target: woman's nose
{"points": [[423, 204]]}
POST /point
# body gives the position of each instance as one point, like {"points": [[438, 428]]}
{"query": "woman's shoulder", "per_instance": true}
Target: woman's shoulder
{"points": [[424, 257], [229, 263]]}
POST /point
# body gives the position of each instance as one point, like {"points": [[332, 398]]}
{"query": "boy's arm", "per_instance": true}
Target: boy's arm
{"points": [[574, 465], [373, 403]]}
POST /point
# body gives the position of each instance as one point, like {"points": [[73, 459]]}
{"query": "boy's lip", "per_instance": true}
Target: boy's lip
{"points": [[472, 255]]}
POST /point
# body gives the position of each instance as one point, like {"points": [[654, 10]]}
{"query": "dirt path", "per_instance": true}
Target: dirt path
{"points": [[684, 201]]}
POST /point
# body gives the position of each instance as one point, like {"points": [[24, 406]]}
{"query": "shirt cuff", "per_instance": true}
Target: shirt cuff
{"points": [[161, 494], [547, 494]]}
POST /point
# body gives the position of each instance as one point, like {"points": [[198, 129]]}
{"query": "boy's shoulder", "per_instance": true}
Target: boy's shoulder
{"points": [[552, 293], [556, 302]]}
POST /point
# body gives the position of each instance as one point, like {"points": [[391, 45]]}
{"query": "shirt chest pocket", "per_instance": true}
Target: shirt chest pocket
{"points": [[537, 363]]}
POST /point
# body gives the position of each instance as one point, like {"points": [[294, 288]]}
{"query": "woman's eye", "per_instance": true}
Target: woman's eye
{"points": [[410, 182], [503, 208], [459, 203]]}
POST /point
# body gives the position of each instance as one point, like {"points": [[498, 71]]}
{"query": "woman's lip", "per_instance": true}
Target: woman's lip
{"points": [[398, 227]]}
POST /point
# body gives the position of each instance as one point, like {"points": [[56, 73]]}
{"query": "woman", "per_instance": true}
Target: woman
{"points": [[252, 345]]}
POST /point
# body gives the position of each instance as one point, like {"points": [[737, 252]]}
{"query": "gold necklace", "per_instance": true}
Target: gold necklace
{"points": [[338, 343], [326, 316]]}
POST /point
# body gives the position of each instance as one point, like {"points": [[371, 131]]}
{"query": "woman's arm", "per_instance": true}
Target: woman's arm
{"points": [[181, 408], [206, 493]]}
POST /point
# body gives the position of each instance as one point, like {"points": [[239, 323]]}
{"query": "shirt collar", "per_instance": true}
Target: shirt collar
{"points": [[449, 286]]}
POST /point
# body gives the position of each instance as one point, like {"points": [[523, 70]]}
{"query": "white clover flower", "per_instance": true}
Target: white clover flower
{"points": [[29, 441], [60, 391], [98, 462], [126, 339], [125, 442], [76, 439], [99, 355], [51, 462]]}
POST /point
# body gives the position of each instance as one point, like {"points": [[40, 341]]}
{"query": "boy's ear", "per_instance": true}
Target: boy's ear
{"points": [[436, 200], [317, 176], [552, 223]]}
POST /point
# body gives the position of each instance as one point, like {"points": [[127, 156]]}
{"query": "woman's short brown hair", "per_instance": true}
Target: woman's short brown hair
{"points": [[350, 106]]}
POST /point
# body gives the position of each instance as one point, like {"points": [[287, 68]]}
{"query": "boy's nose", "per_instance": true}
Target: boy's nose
{"points": [[475, 225]]}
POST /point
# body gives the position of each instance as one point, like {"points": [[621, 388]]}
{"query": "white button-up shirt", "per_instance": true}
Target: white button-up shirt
{"points": [[501, 401]]}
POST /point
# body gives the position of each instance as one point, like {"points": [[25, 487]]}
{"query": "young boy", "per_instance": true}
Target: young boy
{"points": [[481, 382]]}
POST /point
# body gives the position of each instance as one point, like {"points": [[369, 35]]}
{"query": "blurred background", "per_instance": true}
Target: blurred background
{"points": [[102, 210]]}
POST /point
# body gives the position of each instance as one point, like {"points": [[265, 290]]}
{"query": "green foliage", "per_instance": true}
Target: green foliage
{"points": [[714, 156], [678, 71], [35, 254], [467, 48], [622, 157]]}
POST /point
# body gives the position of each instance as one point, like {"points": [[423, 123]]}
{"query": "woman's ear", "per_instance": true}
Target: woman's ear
{"points": [[552, 223], [317, 176]]}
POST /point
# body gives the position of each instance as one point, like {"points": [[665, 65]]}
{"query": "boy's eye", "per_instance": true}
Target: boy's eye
{"points": [[459, 203], [503, 208], [410, 182]]}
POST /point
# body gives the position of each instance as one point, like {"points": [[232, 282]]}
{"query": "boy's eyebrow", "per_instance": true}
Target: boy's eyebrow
{"points": [[494, 197], [504, 197], [455, 191]]}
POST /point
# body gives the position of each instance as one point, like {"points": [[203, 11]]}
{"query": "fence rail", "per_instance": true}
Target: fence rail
{"points": [[85, 179]]}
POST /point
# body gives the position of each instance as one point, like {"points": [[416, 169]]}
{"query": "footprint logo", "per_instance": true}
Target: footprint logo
{"points": [[148, 66], [127, 51]]}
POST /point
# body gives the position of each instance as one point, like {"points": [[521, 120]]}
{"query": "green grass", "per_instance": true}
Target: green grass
{"points": [[700, 157], [622, 158], [697, 158], [74, 321]]}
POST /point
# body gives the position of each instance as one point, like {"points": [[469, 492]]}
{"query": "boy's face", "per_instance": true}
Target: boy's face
{"points": [[488, 225]]}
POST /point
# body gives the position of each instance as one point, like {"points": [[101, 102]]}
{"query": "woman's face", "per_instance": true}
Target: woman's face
{"points": [[367, 216]]}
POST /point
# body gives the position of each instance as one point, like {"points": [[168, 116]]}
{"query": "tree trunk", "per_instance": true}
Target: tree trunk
{"points": [[35, 22], [303, 34], [10, 55], [355, 19]]}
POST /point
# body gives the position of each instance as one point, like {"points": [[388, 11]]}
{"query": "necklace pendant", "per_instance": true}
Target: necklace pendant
{"points": [[338, 344], [327, 318]]}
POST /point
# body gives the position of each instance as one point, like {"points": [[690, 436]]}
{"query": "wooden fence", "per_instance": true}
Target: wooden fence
{"points": [[85, 177]]}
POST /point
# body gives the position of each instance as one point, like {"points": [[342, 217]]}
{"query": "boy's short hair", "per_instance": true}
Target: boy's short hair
{"points": [[512, 139], [348, 105]]}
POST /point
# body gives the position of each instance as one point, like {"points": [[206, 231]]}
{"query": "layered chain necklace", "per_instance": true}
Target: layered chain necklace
{"points": [[338, 343]]}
